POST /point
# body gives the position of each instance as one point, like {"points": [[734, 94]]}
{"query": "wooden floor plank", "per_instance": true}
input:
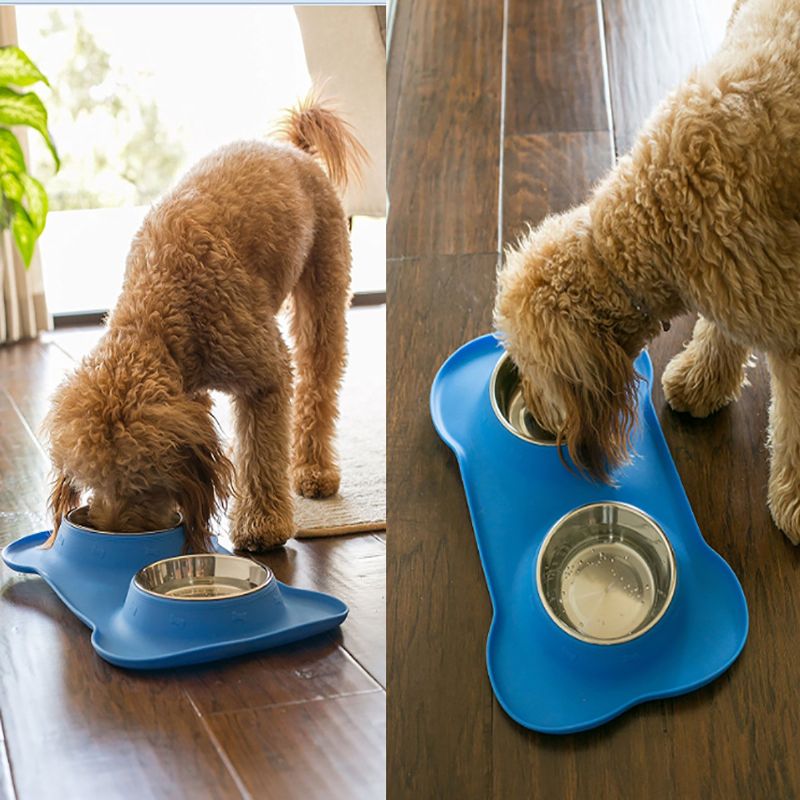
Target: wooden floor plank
{"points": [[75, 342], [396, 54], [100, 731], [554, 73], [712, 16], [548, 173], [443, 170], [31, 372], [23, 471], [438, 608], [352, 568], [316, 669], [652, 46], [325, 750]]}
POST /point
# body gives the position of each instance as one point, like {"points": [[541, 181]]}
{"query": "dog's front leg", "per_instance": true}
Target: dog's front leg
{"points": [[262, 515], [708, 374], [784, 443]]}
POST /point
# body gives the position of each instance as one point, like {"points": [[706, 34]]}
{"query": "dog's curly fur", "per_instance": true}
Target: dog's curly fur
{"points": [[207, 273], [703, 215]]}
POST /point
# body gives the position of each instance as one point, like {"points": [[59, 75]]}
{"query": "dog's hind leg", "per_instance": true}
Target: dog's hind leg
{"points": [[784, 444], [319, 328], [708, 374], [263, 514]]}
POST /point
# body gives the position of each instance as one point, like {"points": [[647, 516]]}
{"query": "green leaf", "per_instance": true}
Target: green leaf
{"points": [[12, 186], [24, 232], [37, 202], [16, 68], [26, 109], [11, 156]]}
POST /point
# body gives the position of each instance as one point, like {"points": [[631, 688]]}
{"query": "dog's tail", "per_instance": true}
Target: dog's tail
{"points": [[317, 129]]}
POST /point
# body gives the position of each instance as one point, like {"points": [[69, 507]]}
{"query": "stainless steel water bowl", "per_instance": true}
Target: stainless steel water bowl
{"points": [[79, 518], [509, 405], [606, 573], [203, 577]]}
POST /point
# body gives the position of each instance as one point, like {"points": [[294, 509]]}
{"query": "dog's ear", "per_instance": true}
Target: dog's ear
{"points": [[63, 498], [202, 485], [64, 494], [599, 390], [202, 488], [179, 439]]}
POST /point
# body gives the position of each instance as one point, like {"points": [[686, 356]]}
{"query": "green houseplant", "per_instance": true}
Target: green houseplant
{"points": [[24, 199]]}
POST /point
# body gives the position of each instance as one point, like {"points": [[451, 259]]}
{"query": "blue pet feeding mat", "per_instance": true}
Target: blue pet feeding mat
{"points": [[603, 596], [149, 606]]}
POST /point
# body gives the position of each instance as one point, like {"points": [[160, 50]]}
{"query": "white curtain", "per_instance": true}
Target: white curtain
{"points": [[23, 310], [345, 48]]}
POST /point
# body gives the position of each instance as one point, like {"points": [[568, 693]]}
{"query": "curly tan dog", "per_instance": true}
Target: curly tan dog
{"points": [[206, 276], [703, 216]]}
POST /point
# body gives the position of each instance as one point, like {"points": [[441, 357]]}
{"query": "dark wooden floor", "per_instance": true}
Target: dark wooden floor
{"points": [[304, 721], [502, 112]]}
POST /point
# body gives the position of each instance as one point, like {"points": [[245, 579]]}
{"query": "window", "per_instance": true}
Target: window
{"points": [[139, 93]]}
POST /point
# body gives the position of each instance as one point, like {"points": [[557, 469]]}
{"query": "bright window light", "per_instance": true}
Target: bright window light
{"points": [[139, 93]]}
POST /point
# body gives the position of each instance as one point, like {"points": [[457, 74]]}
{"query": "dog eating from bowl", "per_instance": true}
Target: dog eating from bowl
{"points": [[701, 216], [249, 227]]}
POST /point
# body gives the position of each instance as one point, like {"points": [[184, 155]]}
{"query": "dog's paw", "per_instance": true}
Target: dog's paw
{"points": [[260, 529], [691, 385], [315, 482], [784, 502]]}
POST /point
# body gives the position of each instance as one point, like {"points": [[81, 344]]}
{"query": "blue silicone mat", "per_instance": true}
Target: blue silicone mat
{"points": [[92, 574], [544, 678]]}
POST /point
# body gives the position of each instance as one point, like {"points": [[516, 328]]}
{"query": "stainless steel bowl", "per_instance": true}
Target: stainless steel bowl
{"points": [[606, 573], [505, 390], [79, 518], [203, 577]]}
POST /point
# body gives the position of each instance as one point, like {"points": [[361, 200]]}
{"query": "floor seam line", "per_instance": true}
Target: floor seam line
{"points": [[219, 749], [65, 352], [500, 244], [601, 21], [6, 770], [419, 256], [501, 154], [292, 703], [18, 411], [361, 666], [530, 134]]}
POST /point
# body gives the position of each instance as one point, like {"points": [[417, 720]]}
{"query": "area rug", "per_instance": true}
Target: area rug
{"points": [[360, 504]]}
